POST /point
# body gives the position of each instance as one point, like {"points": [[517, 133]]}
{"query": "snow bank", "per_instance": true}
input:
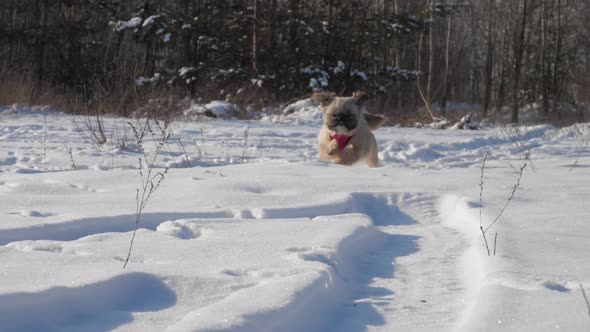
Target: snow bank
{"points": [[302, 112]]}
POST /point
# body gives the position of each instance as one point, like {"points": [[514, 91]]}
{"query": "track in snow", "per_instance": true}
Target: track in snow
{"points": [[375, 271]]}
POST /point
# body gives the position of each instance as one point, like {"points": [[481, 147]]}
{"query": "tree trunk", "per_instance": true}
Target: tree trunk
{"points": [[400, 94], [430, 56], [542, 81], [447, 59], [419, 67], [196, 46], [489, 61], [556, 64], [272, 26], [503, 73], [294, 6], [328, 36], [255, 38], [12, 25], [41, 44], [518, 55], [186, 35]]}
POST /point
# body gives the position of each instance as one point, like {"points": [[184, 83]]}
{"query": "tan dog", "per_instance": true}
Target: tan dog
{"points": [[346, 137]]}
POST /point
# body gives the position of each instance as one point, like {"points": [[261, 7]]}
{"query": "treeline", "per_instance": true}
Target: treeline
{"points": [[415, 57]]}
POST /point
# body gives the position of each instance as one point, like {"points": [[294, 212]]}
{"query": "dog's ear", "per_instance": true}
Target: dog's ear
{"points": [[373, 121], [360, 98], [323, 98]]}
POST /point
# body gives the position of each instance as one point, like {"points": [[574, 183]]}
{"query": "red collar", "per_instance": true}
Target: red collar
{"points": [[342, 141]]}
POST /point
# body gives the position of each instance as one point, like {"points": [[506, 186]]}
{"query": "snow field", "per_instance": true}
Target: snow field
{"points": [[249, 232]]}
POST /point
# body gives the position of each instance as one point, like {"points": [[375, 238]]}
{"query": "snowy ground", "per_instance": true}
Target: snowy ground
{"points": [[250, 232]]}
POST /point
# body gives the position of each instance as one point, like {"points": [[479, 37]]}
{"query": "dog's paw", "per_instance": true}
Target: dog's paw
{"points": [[348, 152], [349, 148], [333, 148]]}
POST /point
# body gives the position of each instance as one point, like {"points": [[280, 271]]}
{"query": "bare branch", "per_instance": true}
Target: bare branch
{"points": [[149, 183], [511, 194], [426, 102], [585, 298]]}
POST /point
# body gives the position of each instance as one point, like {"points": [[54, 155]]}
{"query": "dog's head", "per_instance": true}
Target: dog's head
{"points": [[342, 115]]}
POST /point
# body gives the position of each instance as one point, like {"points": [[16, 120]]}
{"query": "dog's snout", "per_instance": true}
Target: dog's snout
{"points": [[340, 117], [346, 120]]}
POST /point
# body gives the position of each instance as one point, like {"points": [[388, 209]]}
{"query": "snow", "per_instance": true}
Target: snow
{"points": [[360, 74], [150, 20], [216, 108], [321, 79], [340, 68], [142, 80], [122, 25], [185, 70], [254, 233]]}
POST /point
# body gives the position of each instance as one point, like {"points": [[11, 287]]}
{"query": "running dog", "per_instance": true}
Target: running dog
{"points": [[346, 136]]}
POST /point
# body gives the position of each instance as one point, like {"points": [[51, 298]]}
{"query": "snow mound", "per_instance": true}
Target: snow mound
{"points": [[181, 229], [216, 109], [302, 112]]}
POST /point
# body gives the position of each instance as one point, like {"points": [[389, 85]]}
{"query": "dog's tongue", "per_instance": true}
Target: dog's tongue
{"points": [[342, 140]]}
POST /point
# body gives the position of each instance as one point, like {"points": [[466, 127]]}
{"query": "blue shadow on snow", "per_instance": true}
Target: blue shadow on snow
{"points": [[100, 306]]}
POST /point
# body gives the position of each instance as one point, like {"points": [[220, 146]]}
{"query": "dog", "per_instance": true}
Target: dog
{"points": [[346, 136]]}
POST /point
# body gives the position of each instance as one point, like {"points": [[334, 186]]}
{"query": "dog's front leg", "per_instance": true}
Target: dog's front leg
{"points": [[333, 147], [347, 156], [348, 152]]}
